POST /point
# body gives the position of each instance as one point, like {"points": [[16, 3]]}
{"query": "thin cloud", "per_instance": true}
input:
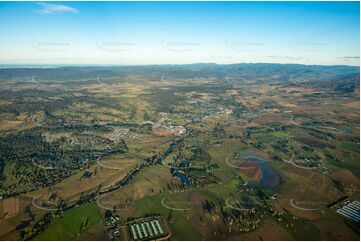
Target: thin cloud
{"points": [[50, 8], [349, 57], [286, 57]]}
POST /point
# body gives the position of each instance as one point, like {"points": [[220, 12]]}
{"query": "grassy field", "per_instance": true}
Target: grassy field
{"points": [[350, 146], [181, 224], [303, 230], [72, 223], [281, 134]]}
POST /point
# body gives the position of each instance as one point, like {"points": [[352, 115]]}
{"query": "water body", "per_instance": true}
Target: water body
{"points": [[270, 177], [184, 165], [182, 177], [347, 131]]}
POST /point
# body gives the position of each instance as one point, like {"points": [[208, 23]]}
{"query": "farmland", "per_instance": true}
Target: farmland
{"points": [[231, 152], [71, 224]]}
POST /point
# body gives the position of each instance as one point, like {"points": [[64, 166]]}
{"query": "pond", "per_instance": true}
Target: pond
{"points": [[185, 180], [270, 177]]}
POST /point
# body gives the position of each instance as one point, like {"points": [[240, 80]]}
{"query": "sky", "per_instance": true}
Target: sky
{"points": [[137, 33]]}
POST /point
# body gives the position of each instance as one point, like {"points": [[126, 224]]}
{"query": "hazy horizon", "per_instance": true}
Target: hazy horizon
{"points": [[56, 65]]}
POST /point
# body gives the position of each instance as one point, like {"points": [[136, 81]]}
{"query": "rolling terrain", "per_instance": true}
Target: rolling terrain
{"points": [[216, 152]]}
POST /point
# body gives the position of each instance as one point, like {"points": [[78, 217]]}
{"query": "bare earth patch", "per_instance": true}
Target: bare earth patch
{"points": [[11, 207]]}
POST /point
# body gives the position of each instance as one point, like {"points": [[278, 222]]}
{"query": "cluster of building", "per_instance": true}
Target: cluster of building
{"points": [[171, 128], [134, 135], [351, 210], [114, 136], [112, 227], [221, 111], [147, 228]]}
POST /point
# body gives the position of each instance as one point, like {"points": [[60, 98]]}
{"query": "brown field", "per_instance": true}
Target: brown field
{"points": [[353, 104], [165, 132], [266, 118], [71, 187], [311, 141], [6, 125], [324, 185], [208, 226], [345, 176], [251, 170], [11, 207], [333, 231], [151, 181], [270, 230], [7, 226], [296, 170], [284, 204]]}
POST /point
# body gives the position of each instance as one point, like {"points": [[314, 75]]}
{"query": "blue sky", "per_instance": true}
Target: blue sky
{"points": [[326, 33]]}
